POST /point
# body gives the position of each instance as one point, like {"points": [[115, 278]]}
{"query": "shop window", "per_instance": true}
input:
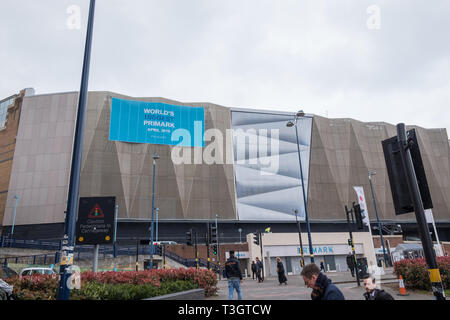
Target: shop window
{"points": [[4, 111]]}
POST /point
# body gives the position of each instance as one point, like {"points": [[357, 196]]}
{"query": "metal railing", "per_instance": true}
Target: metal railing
{"points": [[87, 252]]}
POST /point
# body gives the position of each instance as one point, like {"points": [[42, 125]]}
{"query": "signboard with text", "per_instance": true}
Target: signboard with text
{"points": [[156, 123], [95, 224]]}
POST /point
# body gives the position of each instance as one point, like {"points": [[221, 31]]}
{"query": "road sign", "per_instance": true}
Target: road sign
{"points": [[95, 224]]}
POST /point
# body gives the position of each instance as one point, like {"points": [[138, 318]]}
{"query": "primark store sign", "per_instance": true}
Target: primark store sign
{"points": [[156, 123]]}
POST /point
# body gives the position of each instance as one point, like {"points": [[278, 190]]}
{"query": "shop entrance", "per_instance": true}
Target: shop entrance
{"points": [[330, 264]]}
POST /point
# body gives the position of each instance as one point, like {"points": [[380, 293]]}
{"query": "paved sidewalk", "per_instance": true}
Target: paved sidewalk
{"points": [[296, 290], [346, 277]]}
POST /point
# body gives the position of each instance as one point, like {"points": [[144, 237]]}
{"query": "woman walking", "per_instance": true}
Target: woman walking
{"points": [[280, 270]]}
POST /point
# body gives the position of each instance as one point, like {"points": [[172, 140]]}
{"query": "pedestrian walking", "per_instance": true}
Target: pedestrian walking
{"points": [[322, 267], [372, 293], [322, 287], [259, 270], [234, 276], [253, 269], [280, 270], [6, 290], [351, 264]]}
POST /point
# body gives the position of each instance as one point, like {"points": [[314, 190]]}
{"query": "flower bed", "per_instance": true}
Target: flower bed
{"points": [[415, 272], [127, 285]]}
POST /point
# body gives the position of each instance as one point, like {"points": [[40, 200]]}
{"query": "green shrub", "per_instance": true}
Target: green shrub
{"points": [[122, 291], [118, 285], [415, 272]]}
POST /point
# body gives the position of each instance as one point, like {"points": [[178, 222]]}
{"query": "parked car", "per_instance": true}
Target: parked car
{"points": [[36, 270], [8, 272]]}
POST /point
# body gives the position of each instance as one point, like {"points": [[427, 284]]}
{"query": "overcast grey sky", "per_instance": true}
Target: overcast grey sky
{"points": [[367, 60]]}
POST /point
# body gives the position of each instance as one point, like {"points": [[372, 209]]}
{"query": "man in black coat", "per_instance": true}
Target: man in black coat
{"points": [[372, 293], [253, 269], [259, 270], [234, 275], [351, 264], [322, 287], [280, 270]]}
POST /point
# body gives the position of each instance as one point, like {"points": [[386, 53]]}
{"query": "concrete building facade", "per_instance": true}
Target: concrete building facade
{"points": [[336, 155]]}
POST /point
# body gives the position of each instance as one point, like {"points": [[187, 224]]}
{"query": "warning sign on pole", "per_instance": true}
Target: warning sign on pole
{"points": [[95, 224]]}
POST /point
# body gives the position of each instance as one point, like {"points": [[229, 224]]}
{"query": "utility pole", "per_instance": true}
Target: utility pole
{"points": [[68, 242], [155, 157], [157, 223], [378, 220], [218, 247], [96, 248], [137, 255], [208, 240], [115, 230], [164, 256], [14, 217], [302, 259], [196, 250], [352, 245], [262, 255], [413, 187], [298, 115]]}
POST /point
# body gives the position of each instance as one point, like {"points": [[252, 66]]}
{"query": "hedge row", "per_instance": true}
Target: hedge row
{"points": [[415, 272], [127, 285]]}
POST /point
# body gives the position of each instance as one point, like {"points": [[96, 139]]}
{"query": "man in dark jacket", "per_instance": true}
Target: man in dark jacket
{"points": [[280, 270], [322, 287], [234, 276], [351, 264], [259, 270], [372, 293], [253, 269]]}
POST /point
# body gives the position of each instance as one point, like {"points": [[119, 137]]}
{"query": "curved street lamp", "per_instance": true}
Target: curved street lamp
{"points": [[155, 157], [290, 124], [372, 173]]}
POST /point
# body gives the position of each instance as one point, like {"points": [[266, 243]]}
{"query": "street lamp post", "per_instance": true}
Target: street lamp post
{"points": [[302, 259], [68, 242], [157, 222], [240, 240], [155, 157], [378, 220], [14, 217], [115, 231], [218, 246], [300, 114]]}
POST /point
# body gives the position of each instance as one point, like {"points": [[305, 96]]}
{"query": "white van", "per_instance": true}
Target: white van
{"points": [[36, 270]]}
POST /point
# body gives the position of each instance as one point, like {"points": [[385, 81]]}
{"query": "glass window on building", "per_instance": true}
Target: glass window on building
{"points": [[329, 263], [4, 110]]}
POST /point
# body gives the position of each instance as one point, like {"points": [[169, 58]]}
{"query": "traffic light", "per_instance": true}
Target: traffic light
{"points": [[256, 238], [358, 216], [349, 242], [397, 173], [215, 249], [213, 236], [189, 238]]}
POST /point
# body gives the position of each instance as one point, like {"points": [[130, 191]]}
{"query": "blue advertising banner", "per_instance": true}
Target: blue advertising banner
{"points": [[156, 123]]}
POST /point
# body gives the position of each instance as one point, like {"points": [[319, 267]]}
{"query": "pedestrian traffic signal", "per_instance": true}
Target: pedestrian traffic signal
{"points": [[189, 238], [215, 249], [396, 169], [213, 235], [358, 216], [256, 238]]}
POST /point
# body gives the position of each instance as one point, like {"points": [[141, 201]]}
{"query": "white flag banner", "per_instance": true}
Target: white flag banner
{"points": [[362, 204], [430, 219], [429, 216]]}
